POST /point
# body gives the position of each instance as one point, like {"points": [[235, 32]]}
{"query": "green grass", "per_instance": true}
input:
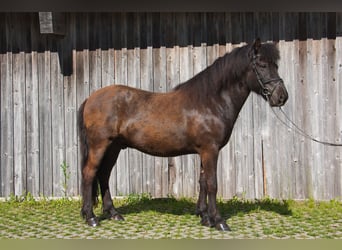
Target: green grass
{"points": [[171, 218]]}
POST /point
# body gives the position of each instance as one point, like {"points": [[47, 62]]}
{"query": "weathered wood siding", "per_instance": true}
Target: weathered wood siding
{"points": [[44, 79]]}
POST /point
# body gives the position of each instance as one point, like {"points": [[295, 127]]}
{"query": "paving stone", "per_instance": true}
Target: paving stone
{"points": [[65, 223]]}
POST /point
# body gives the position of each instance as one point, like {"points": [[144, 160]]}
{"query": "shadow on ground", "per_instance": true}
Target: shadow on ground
{"points": [[227, 208]]}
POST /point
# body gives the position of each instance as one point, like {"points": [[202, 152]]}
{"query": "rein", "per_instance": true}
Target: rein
{"points": [[300, 131], [267, 94]]}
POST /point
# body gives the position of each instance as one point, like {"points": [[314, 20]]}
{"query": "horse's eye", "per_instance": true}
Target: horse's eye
{"points": [[262, 65]]}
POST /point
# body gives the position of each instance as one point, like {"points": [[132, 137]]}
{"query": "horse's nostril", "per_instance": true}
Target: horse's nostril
{"points": [[283, 98]]}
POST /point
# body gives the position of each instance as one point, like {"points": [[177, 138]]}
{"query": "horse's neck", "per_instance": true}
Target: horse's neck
{"points": [[234, 92], [233, 99]]}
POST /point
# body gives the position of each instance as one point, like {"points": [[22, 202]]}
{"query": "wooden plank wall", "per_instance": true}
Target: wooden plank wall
{"points": [[44, 79]]}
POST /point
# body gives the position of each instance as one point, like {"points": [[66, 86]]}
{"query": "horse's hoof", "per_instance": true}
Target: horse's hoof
{"points": [[93, 222], [117, 217], [207, 222], [222, 226], [112, 216]]}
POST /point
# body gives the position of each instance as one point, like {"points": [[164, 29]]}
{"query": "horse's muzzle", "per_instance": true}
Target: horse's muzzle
{"points": [[279, 96]]}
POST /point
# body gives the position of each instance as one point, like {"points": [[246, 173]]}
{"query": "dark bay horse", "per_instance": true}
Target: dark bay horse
{"points": [[197, 116]]}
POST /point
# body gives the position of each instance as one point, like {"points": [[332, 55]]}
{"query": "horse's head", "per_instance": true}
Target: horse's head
{"points": [[263, 77]]}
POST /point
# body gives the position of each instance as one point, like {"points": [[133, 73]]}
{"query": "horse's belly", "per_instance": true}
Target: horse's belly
{"points": [[158, 141]]}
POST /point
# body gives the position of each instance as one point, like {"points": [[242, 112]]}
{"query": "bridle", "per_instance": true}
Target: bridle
{"points": [[262, 82]]}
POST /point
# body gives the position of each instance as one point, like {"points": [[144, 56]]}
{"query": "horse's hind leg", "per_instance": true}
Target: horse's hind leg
{"points": [[107, 164], [89, 172]]}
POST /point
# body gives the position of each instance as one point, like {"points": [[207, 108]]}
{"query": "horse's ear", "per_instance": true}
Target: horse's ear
{"points": [[256, 46]]}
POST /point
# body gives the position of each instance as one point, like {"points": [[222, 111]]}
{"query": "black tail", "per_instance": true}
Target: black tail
{"points": [[82, 136], [84, 150]]}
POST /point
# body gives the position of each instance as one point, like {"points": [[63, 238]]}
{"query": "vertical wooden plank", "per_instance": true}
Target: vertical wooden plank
{"points": [[45, 161], [19, 121], [258, 114], [299, 164], [295, 88], [32, 119], [325, 115], [282, 169], [328, 125], [71, 109], [94, 51], [199, 51], [107, 50], [285, 137], [263, 26], [237, 27], [57, 116], [287, 156], [212, 38], [247, 148], [82, 57], [243, 144], [32, 114], [317, 120], [311, 126], [275, 27], [7, 164], [338, 70], [306, 110], [307, 121]]}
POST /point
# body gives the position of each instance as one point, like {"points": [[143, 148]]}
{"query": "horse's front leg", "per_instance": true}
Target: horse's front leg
{"points": [[202, 206], [208, 187]]}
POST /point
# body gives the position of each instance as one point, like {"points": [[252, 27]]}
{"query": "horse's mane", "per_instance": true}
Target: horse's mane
{"points": [[225, 70]]}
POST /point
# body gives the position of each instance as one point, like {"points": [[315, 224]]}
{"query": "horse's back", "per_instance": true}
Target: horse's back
{"points": [[120, 104]]}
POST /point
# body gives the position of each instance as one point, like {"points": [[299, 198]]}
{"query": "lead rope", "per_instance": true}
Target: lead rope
{"points": [[300, 131]]}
